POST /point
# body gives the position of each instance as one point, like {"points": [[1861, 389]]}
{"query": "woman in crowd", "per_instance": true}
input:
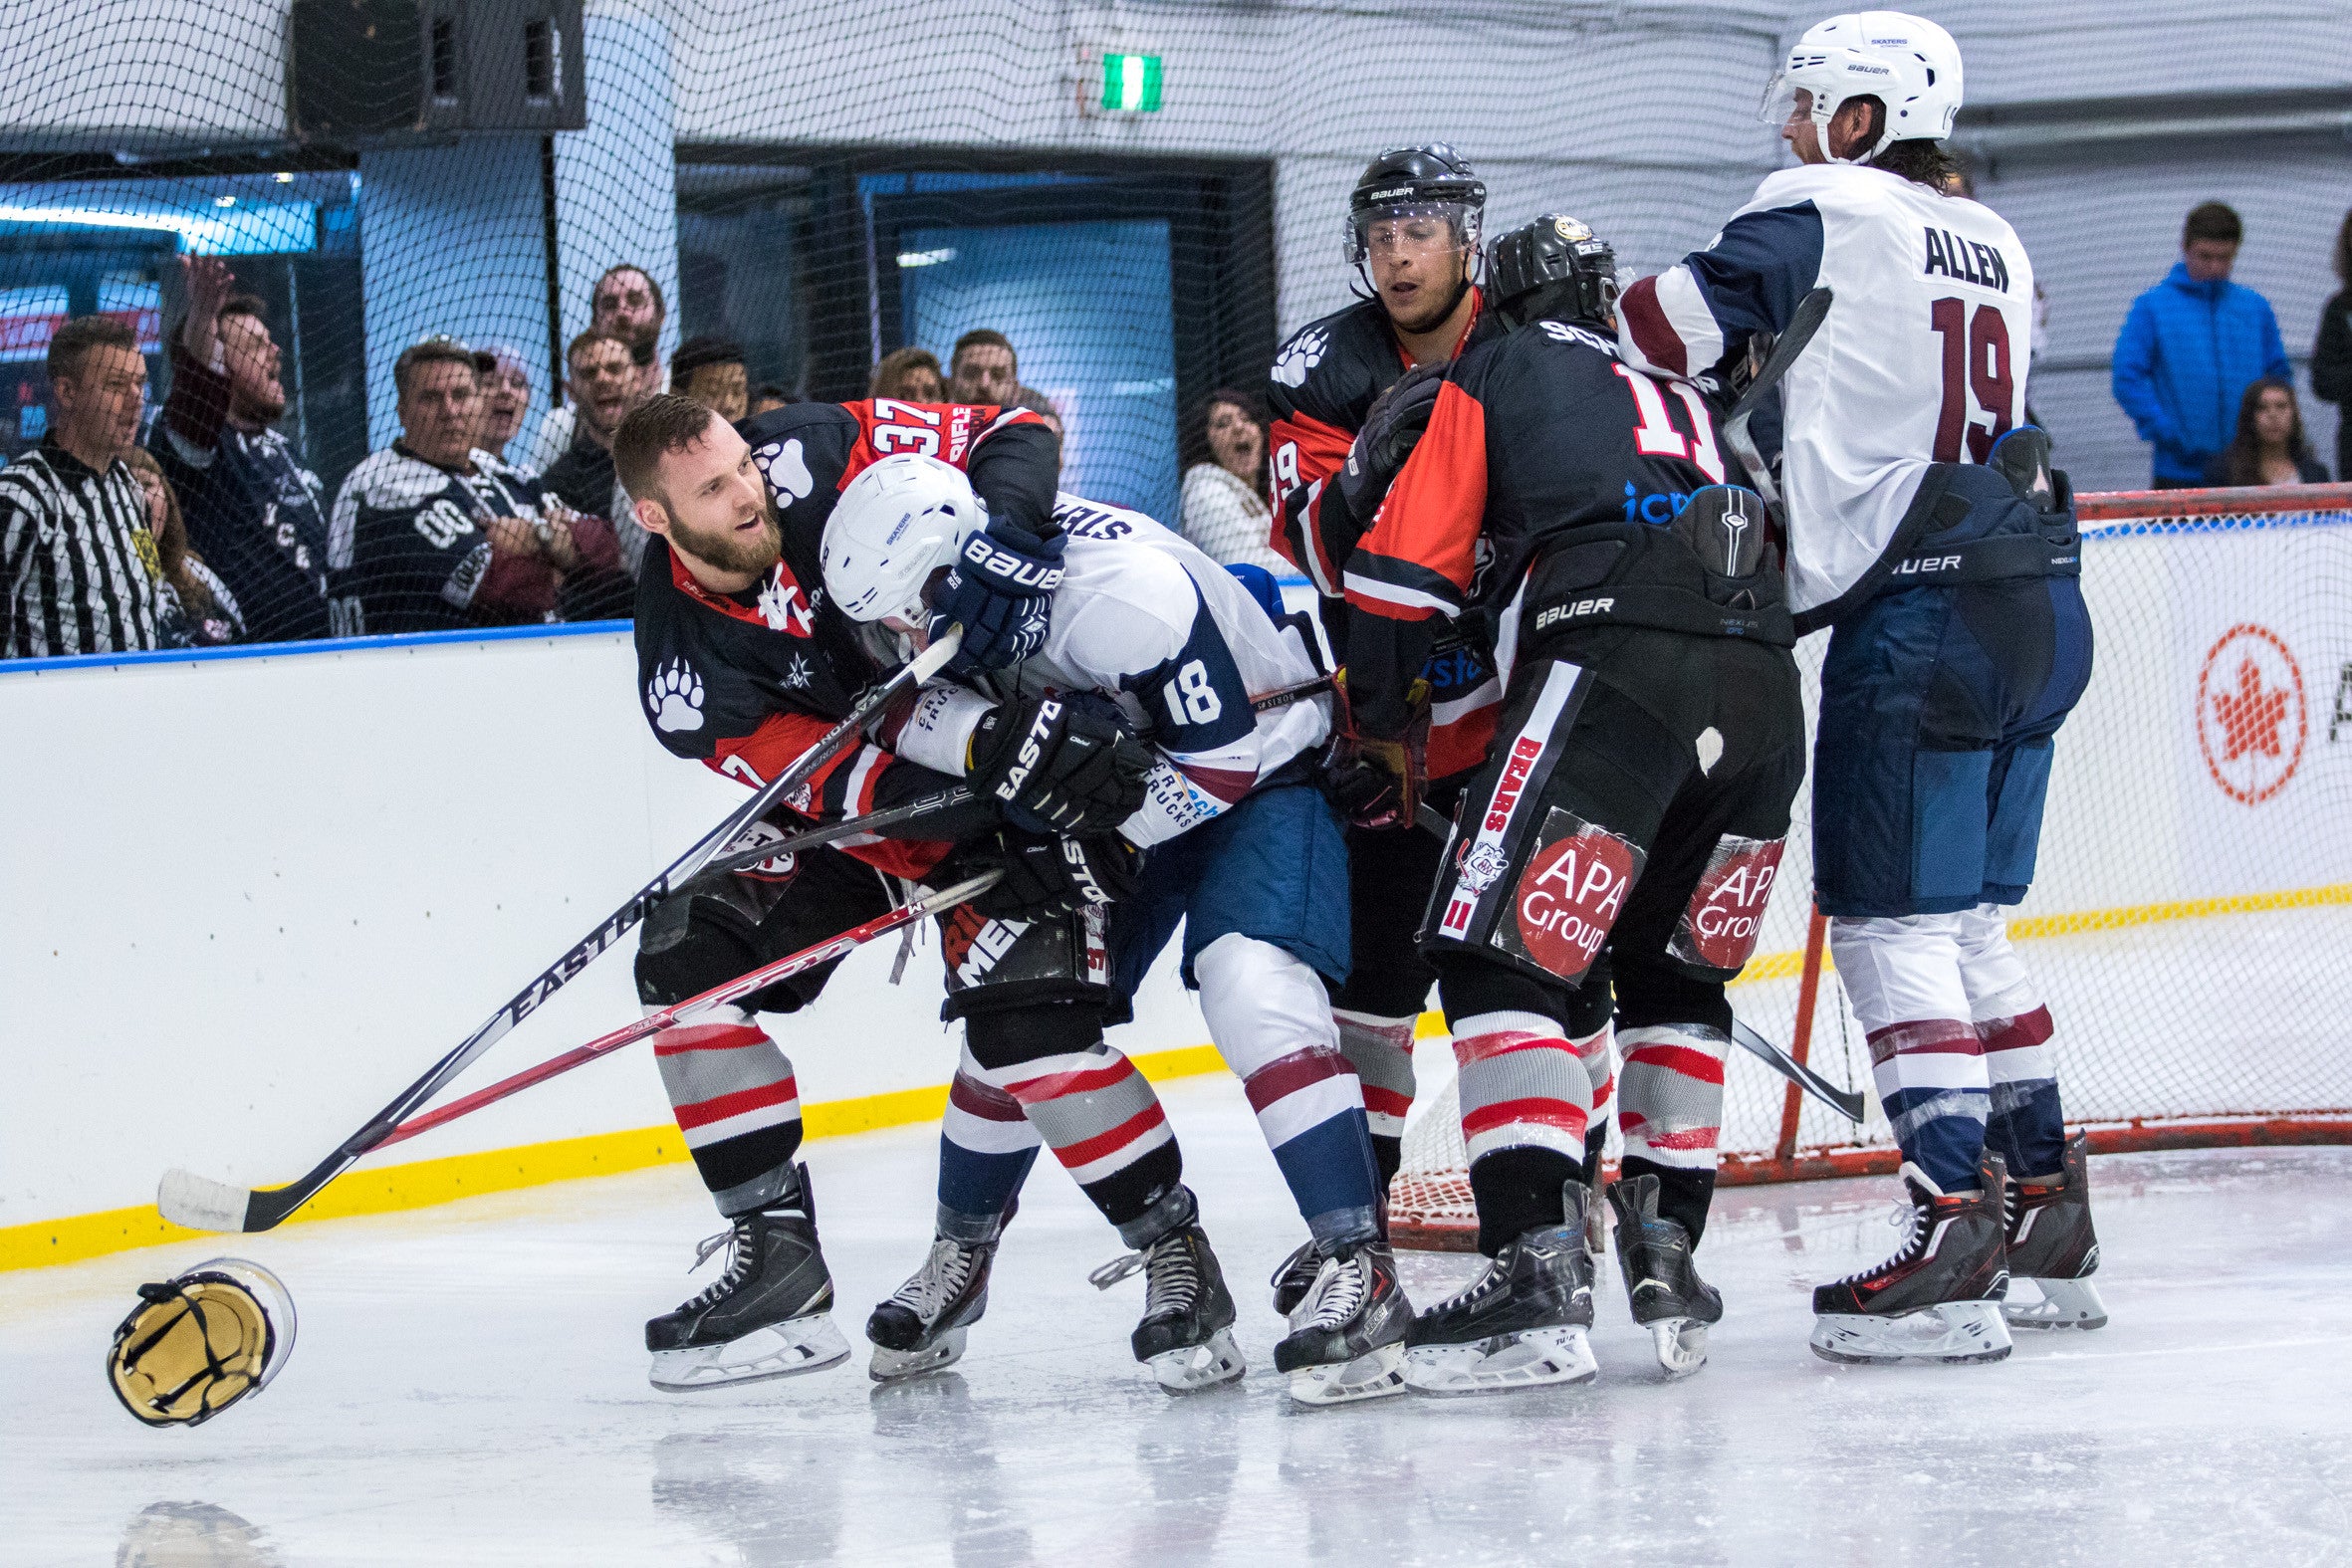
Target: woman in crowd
{"points": [[1225, 483], [2331, 357], [909, 375], [197, 611], [506, 399], [2269, 449]]}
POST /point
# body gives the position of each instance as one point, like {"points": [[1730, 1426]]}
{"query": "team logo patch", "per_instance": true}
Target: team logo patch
{"points": [[673, 697], [786, 468], [1481, 868], [782, 608], [1719, 925], [1300, 355], [776, 868], [2251, 716], [1573, 891]]}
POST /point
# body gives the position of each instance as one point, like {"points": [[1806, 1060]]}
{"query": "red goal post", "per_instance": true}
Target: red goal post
{"points": [[2191, 921]]}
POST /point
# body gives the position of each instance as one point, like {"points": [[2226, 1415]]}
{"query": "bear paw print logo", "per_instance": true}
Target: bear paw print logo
{"points": [[674, 697], [1300, 355], [787, 468]]}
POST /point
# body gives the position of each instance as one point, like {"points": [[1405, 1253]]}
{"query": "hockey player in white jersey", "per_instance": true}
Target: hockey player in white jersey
{"points": [[1926, 527], [1239, 846]]}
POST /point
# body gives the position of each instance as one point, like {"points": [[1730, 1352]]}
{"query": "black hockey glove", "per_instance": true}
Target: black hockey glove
{"points": [[1051, 875], [1059, 763], [1001, 591], [1377, 781], [1392, 430]]}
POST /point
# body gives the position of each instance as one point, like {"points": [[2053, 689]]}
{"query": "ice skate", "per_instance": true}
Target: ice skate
{"points": [[1348, 1338], [1938, 1297], [1522, 1325], [1662, 1282], [1295, 1277], [2051, 1244], [921, 1329], [1186, 1336], [765, 1317]]}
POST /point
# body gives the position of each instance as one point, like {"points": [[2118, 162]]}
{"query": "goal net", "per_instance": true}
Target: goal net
{"points": [[2191, 922]]}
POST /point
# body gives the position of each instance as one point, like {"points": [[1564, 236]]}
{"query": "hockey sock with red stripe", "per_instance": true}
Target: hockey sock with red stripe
{"points": [[1904, 975], [732, 1090], [1671, 1113], [1525, 1104], [2026, 1125], [1381, 1053], [1271, 1020], [1098, 1115], [986, 1149]]}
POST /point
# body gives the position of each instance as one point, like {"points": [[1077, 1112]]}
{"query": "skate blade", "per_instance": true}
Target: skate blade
{"points": [[1955, 1332], [1533, 1359], [2065, 1303], [1215, 1360], [1680, 1343], [1375, 1373], [779, 1350], [891, 1366]]}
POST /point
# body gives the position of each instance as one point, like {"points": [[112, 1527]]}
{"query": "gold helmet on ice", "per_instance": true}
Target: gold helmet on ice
{"points": [[199, 1342]]}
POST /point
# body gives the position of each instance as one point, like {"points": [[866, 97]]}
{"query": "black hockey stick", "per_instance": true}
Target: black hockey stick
{"points": [[1848, 1103], [201, 1204], [1803, 322]]}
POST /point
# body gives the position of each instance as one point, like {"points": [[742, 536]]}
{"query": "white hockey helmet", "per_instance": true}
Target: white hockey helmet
{"points": [[898, 523], [1906, 62]]}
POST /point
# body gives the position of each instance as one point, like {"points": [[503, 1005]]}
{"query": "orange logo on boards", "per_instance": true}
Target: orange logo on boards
{"points": [[2251, 716]]}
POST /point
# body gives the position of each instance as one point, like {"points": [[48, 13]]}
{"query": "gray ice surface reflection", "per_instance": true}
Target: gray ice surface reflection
{"points": [[470, 1388]]}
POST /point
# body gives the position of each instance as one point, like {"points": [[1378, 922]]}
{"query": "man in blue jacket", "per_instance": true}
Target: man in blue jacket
{"points": [[2191, 345]]}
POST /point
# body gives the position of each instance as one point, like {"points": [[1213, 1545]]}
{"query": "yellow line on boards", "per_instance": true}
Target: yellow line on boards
{"points": [[375, 1190]]}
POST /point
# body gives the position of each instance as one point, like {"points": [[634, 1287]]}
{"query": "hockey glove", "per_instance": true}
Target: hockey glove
{"points": [[1377, 781], [1001, 591], [1059, 763], [1051, 875], [1392, 430]]}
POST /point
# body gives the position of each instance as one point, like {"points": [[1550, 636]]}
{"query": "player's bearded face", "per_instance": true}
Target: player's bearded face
{"points": [[728, 520]]}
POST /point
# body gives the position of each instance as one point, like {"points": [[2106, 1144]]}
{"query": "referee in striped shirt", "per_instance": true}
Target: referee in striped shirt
{"points": [[76, 558]]}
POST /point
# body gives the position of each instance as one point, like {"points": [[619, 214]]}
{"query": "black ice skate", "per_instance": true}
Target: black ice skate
{"points": [[1295, 1277], [921, 1329], [1522, 1325], [765, 1317], [1347, 1340], [1662, 1283], [2051, 1244], [1186, 1336], [1938, 1297]]}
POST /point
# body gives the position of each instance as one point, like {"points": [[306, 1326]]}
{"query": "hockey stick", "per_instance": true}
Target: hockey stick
{"points": [[1803, 322], [733, 991], [939, 800], [1848, 1103], [202, 1203]]}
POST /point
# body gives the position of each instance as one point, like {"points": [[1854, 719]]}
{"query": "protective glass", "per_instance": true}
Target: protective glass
{"points": [[1412, 228], [1780, 98]]}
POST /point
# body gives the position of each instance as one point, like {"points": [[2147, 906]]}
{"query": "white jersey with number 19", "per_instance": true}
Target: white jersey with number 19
{"points": [[1922, 358]]}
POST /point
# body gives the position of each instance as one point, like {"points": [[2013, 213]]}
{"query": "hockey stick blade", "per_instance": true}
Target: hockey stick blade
{"points": [[1848, 1103], [201, 1204], [1803, 322]]}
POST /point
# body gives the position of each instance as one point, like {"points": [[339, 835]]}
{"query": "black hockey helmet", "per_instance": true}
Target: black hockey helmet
{"points": [[1428, 180], [1555, 268]]}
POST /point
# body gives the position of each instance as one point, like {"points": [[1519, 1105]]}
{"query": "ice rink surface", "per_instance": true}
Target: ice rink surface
{"points": [[469, 1387]]}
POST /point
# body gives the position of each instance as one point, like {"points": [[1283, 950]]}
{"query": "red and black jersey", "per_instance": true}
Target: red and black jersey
{"points": [[1323, 384], [746, 682], [1538, 442]]}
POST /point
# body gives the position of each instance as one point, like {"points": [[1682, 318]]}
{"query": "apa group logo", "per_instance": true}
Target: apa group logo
{"points": [[2253, 718]]}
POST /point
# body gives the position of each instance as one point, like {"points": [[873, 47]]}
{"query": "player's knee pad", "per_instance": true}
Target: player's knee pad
{"points": [[1652, 990], [1996, 979], [994, 966], [1467, 985], [703, 934], [1262, 1002], [1900, 968], [1003, 1038]]}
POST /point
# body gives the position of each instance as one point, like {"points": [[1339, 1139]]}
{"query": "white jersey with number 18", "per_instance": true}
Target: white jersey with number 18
{"points": [[1922, 359]]}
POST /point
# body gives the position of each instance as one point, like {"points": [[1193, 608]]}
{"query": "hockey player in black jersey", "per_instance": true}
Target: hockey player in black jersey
{"points": [[1632, 806], [1412, 233]]}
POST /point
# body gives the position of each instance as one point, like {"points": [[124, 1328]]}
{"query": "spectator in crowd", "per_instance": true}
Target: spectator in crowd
{"points": [[1226, 483], [506, 399], [255, 515], [432, 534], [769, 395], [909, 375], [198, 610], [2189, 348], [76, 558], [710, 370], [2270, 448], [1040, 404], [628, 303], [604, 387], [2331, 356], [983, 369]]}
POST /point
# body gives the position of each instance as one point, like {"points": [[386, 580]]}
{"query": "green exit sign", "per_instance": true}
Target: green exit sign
{"points": [[1131, 84]]}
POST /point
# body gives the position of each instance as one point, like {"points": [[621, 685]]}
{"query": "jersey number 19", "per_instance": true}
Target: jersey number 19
{"points": [[1975, 360]]}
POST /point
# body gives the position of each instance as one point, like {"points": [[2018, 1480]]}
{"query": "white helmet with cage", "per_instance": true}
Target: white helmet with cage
{"points": [[904, 519], [1906, 62]]}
